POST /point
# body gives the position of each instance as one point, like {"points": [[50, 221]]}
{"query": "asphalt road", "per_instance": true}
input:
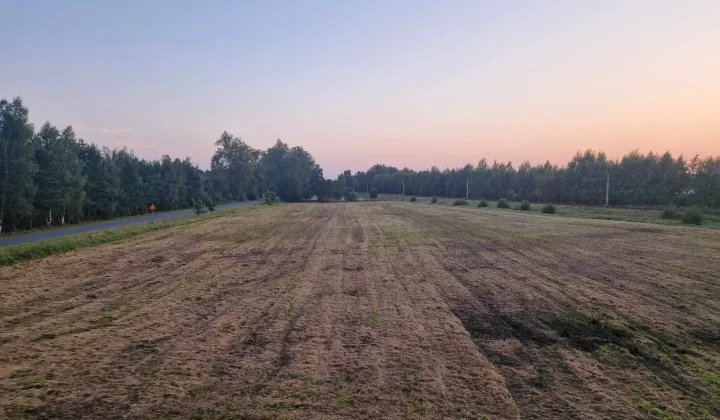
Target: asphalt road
{"points": [[110, 224]]}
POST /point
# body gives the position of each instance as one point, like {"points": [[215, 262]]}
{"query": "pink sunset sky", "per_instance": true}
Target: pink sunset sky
{"points": [[404, 83]]}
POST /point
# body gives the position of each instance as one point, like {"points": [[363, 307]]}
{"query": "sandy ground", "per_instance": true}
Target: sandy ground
{"points": [[370, 310]]}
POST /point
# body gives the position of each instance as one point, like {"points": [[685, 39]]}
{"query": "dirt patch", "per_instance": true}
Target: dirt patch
{"points": [[368, 310]]}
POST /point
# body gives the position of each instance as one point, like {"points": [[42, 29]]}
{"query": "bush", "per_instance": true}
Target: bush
{"points": [[414, 199], [482, 203], [350, 195], [434, 200], [669, 213], [503, 204], [210, 205], [548, 208], [525, 205], [460, 202], [199, 207], [693, 216], [373, 193], [270, 197]]}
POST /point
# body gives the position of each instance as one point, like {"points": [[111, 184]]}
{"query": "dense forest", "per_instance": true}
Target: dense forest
{"points": [[50, 177], [636, 179]]}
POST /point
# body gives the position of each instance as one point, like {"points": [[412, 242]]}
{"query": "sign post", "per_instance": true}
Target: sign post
{"points": [[152, 211]]}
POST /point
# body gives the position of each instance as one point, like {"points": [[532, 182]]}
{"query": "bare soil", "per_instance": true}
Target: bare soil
{"points": [[369, 310]]}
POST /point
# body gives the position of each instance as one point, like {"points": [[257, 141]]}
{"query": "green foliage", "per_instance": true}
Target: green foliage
{"points": [[234, 164], [503, 204], [434, 200], [199, 207], [460, 202], [636, 179], [548, 208], [693, 216], [17, 165], [525, 205], [15, 254], [291, 172], [50, 177], [482, 203], [270, 197], [210, 205], [413, 199], [670, 213], [350, 195]]}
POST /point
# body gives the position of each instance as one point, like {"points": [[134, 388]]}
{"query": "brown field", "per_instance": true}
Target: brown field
{"points": [[369, 310]]}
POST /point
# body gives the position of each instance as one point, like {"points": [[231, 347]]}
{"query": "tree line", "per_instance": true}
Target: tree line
{"points": [[635, 179], [52, 177]]}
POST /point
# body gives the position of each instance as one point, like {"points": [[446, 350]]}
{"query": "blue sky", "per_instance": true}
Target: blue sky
{"points": [[401, 82]]}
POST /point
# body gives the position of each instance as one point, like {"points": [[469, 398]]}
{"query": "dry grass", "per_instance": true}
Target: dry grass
{"points": [[369, 310]]}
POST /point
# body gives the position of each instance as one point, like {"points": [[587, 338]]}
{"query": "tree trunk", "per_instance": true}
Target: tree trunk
{"points": [[48, 219]]}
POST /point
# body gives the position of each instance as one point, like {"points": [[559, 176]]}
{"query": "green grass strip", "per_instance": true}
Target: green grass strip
{"points": [[16, 254]]}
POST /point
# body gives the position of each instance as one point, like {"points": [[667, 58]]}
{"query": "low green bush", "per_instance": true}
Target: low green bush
{"points": [[525, 205], [503, 204], [669, 213], [350, 195], [548, 208], [434, 200], [373, 193], [460, 202], [693, 216], [414, 199], [482, 203], [270, 197]]}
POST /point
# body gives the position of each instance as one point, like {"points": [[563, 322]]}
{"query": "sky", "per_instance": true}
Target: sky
{"points": [[409, 83]]}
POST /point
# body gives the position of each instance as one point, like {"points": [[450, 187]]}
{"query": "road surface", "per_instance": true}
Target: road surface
{"points": [[110, 224]]}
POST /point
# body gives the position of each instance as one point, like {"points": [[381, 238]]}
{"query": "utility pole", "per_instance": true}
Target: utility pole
{"points": [[607, 188]]}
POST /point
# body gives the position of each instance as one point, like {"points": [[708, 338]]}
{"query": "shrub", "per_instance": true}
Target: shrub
{"points": [[414, 199], [482, 203], [270, 197], [199, 207], [693, 216], [669, 213], [503, 204], [210, 205], [434, 200], [350, 195], [460, 202], [548, 208], [525, 205], [373, 193]]}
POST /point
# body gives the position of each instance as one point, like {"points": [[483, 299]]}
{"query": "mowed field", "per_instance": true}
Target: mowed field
{"points": [[370, 310]]}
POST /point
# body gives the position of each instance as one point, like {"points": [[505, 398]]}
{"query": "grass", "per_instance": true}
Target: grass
{"points": [[582, 212], [16, 254]]}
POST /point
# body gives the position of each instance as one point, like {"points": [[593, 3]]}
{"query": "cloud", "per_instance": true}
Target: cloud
{"points": [[113, 130]]}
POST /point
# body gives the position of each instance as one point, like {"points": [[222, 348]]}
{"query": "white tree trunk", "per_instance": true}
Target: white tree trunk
{"points": [[62, 218], [48, 219]]}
